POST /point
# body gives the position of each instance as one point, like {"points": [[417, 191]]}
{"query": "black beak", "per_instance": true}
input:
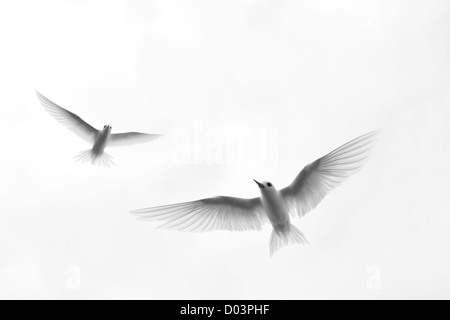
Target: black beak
{"points": [[259, 184]]}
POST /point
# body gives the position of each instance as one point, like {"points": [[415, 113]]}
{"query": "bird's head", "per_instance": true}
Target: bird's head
{"points": [[107, 127], [265, 187]]}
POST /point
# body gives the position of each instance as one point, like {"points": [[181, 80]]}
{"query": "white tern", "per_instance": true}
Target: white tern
{"points": [[301, 196], [98, 138]]}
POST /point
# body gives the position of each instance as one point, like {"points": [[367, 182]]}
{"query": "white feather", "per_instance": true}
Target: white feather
{"points": [[318, 178], [73, 122], [218, 213], [130, 138]]}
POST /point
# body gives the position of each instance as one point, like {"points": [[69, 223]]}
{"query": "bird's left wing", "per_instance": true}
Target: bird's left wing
{"points": [[321, 176], [129, 138], [218, 213]]}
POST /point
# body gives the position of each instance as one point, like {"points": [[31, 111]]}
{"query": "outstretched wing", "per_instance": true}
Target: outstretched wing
{"points": [[129, 138], [73, 122], [218, 213], [318, 178]]}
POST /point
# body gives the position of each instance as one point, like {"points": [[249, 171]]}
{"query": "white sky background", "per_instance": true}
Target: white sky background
{"points": [[295, 78]]}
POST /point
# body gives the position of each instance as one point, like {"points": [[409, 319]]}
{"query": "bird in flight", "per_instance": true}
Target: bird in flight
{"points": [[309, 187], [99, 139]]}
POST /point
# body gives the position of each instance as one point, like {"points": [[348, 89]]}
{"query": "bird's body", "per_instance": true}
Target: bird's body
{"points": [[278, 215], [97, 154], [99, 139], [276, 206]]}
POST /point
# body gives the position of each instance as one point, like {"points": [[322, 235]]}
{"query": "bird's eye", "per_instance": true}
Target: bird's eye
{"points": [[269, 184], [104, 127]]}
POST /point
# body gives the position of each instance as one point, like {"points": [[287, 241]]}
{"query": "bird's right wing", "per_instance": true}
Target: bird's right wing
{"points": [[218, 213], [73, 122], [321, 176]]}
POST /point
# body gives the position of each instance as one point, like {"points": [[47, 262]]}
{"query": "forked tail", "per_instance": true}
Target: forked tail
{"points": [[282, 239], [102, 160]]}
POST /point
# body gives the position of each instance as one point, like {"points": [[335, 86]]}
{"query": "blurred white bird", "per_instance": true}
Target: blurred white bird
{"points": [[302, 195], [98, 139]]}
